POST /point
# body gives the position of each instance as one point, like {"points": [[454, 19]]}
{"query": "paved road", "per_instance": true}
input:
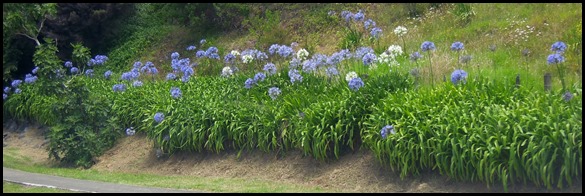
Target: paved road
{"points": [[43, 180]]}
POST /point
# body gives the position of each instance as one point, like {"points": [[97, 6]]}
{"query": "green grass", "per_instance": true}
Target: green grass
{"points": [[9, 187], [12, 159]]}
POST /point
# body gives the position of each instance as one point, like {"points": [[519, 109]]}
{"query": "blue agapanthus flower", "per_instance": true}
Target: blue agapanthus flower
{"points": [[273, 92], [119, 88], [4, 95], [29, 79], [127, 76], [259, 77], [185, 78], [359, 16], [555, 58], [261, 55], [355, 83], [458, 76], [331, 71], [171, 76], [457, 46], [6, 89], [567, 96], [68, 64], [17, 91], [203, 41], [361, 51], [187, 71], [176, 92], [294, 63], [191, 48], [387, 129], [369, 23], [427, 45], [347, 15], [211, 50], [175, 55], [369, 58], [99, 59], [270, 68], [558, 47], [229, 58], [376, 32], [74, 70], [249, 83], [200, 54], [309, 66], [137, 65], [108, 74], [137, 83], [285, 51], [273, 48], [415, 56], [16, 83], [35, 70], [130, 131], [295, 76], [89, 72], [159, 117]]}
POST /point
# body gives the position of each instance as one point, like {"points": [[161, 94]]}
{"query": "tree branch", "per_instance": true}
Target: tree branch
{"points": [[35, 39]]}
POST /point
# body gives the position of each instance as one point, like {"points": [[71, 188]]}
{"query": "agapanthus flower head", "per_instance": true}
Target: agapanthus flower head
{"points": [[555, 58], [294, 63], [394, 51], [249, 83], [285, 51], [4, 96], [89, 72], [91, 62], [138, 64], [6, 89], [35, 70], [369, 23], [465, 58], [108, 74], [187, 71], [137, 83], [247, 58], [130, 131], [376, 32], [211, 50], [203, 41], [235, 52], [68, 64], [229, 58], [361, 51], [185, 78], [347, 15], [171, 76], [176, 92], [191, 48], [350, 75], [74, 70], [458, 76], [427, 45], [355, 83], [302, 54], [259, 77], [200, 54], [369, 58], [558, 47], [159, 117], [309, 66], [29, 79], [261, 55], [457, 46], [567, 96], [273, 48], [273, 92], [387, 129], [17, 91], [16, 83], [415, 56], [226, 71], [331, 71], [127, 76], [295, 76], [270, 68], [400, 31], [119, 88], [99, 59], [359, 16]]}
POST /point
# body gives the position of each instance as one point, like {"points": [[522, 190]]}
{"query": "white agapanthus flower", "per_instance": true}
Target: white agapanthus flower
{"points": [[400, 31], [350, 75], [302, 54], [227, 71], [247, 58], [394, 51], [384, 58], [235, 52]]}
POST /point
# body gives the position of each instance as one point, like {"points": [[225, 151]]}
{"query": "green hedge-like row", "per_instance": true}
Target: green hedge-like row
{"points": [[482, 131]]}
